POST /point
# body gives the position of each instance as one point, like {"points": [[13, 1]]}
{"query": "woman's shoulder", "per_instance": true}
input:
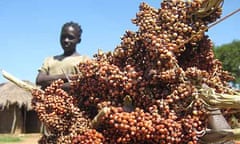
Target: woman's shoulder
{"points": [[48, 58], [52, 59]]}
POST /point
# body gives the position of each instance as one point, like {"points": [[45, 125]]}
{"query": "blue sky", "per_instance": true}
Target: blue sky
{"points": [[29, 29]]}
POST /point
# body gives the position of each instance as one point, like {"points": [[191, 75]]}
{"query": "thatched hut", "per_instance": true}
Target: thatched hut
{"points": [[16, 114]]}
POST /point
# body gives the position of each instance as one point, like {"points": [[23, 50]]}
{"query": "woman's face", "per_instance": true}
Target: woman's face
{"points": [[69, 39]]}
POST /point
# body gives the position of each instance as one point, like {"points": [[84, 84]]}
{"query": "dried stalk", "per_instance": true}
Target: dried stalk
{"points": [[19, 83], [208, 7], [218, 100], [98, 118]]}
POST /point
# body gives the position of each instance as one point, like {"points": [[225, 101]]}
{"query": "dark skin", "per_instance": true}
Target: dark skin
{"points": [[69, 39]]}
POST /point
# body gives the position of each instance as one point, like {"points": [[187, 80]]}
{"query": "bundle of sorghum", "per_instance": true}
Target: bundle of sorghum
{"points": [[149, 84]]}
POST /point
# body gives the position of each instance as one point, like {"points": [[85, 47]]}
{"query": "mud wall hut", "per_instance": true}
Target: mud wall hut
{"points": [[16, 114]]}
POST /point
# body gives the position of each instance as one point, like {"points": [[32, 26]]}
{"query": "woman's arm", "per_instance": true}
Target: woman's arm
{"points": [[45, 80]]}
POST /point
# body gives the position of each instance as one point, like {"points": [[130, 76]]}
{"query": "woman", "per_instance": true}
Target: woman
{"points": [[63, 65]]}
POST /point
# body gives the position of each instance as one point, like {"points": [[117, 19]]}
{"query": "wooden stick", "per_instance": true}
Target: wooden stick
{"points": [[13, 128]]}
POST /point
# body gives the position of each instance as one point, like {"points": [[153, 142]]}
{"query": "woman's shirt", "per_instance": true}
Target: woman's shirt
{"points": [[58, 64]]}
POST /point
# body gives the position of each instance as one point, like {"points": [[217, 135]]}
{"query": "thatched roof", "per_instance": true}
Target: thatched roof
{"points": [[12, 94]]}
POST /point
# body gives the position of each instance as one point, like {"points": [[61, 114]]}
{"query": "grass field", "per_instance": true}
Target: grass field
{"points": [[8, 138], [19, 139]]}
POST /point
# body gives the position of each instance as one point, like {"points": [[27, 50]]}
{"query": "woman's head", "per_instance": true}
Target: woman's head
{"points": [[70, 36]]}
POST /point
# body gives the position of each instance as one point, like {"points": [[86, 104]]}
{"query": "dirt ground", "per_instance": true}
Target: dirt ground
{"points": [[26, 139]]}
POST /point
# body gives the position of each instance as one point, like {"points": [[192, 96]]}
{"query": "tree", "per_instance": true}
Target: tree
{"points": [[229, 55]]}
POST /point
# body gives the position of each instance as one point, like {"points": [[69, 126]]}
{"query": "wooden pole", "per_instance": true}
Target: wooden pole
{"points": [[14, 120]]}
